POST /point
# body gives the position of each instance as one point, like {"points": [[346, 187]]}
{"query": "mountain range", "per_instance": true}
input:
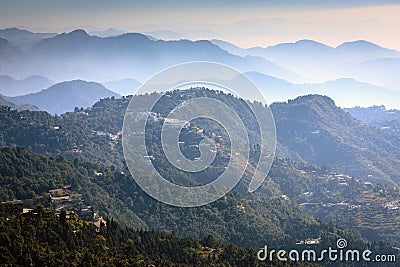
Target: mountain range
{"points": [[78, 55], [317, 62], [119, 60], [23, 38], [107, 33], [346, 92], [32, 84]]}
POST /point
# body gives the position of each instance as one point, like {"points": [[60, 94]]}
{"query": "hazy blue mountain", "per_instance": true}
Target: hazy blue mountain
{"points": [[364, 50], [384, 72], [124, 87], [165, 35], [6, 102], [231, 48], [274, 89], [299, 48], [77, 55], [305, 56], [11, 58], [65, 96], [32, 84], [194, 34], [107, 33], [23, 38], [361, 60], [348, 92], [308, 49], [375, 64]]}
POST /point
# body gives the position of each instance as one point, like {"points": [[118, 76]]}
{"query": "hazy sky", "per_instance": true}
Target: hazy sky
{"points": [[246, 23]]}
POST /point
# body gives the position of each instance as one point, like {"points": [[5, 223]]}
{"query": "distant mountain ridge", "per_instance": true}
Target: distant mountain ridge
{"points": [[10, 57], [124, 87], [361, 60], [364, 50], [12, 87], [346, 92], [5, 102], [78, 55], [355, 68], [23, 38], [65, 96], [107, 33]]}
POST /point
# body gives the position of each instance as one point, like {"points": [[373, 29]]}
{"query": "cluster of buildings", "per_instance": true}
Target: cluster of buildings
{"points": [[152, 117], [110, 136], [393, 205], [62, 201], [72, 202]]}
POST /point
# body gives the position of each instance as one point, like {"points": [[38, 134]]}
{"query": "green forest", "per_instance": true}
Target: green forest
{"points": [[41, 239]]}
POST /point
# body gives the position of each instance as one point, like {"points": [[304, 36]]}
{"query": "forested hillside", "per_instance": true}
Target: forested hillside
{"points": [[236, 220], [322, 133], [39, 238], [26, 176], [82, 150]]}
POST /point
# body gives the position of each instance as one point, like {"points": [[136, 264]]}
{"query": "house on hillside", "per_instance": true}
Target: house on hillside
{"points": [[100, 222]]}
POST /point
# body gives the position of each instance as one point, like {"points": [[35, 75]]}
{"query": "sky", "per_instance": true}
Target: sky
{"points": [[245, 23]]}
